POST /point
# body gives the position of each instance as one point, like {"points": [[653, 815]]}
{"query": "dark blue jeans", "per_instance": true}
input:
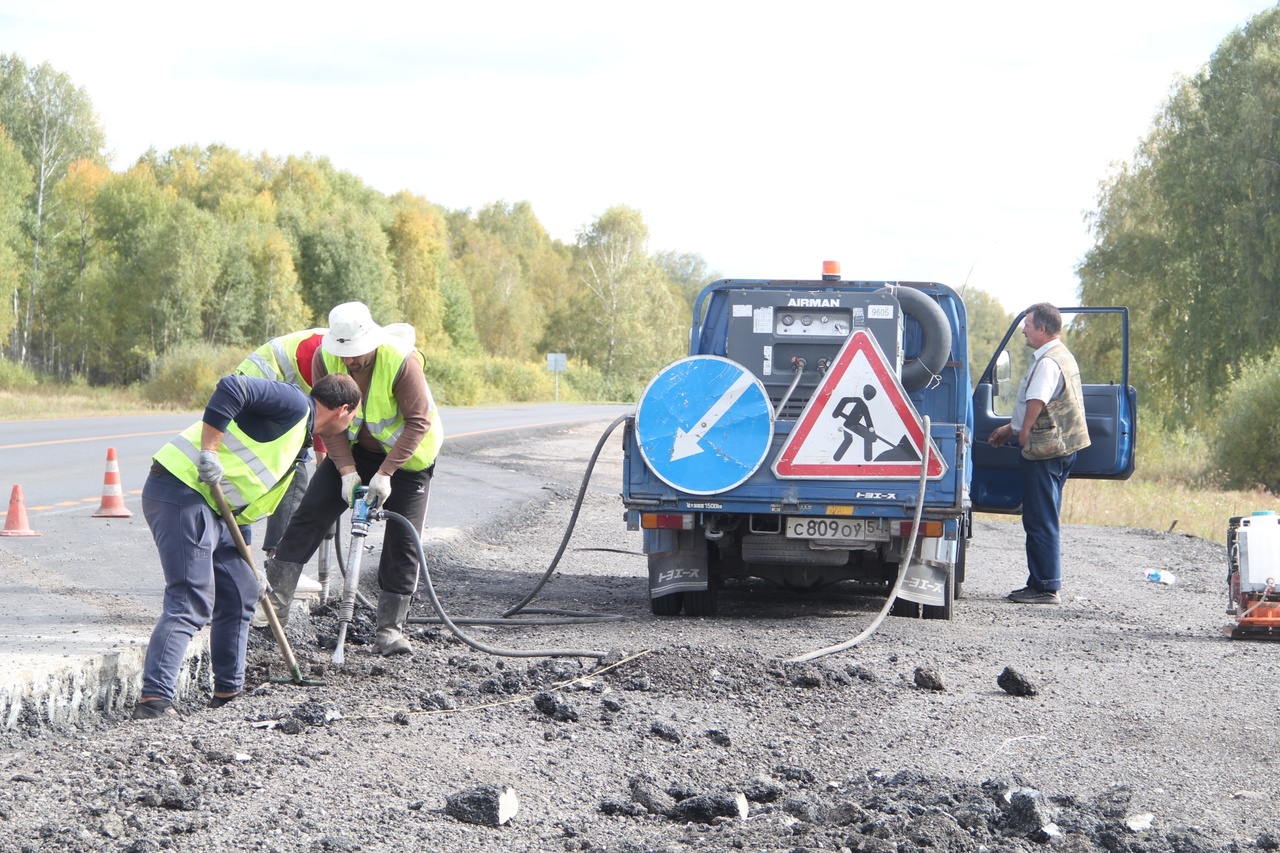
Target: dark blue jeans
{"points": [[206, 582], [1042, 482]]}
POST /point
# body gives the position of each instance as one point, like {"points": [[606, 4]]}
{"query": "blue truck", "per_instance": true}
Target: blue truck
{"points": [[817, 425]]}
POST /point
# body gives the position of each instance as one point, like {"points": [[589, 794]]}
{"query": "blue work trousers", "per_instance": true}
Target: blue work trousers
{"points": [[1042, 482], [207, 582]]}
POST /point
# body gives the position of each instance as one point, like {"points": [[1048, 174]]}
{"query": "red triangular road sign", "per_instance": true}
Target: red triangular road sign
{"points": [[858, 424]]}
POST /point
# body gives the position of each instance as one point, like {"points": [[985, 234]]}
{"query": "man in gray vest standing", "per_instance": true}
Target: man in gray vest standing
{"points": [[1051, 429]]}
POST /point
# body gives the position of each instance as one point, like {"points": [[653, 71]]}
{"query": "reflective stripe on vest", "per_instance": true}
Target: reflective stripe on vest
{"points": [[255, 474], [277, 359], [380, 413]]}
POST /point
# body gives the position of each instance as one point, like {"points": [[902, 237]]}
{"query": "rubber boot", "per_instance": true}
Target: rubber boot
{"points": [[283, 577], [392, 611]]}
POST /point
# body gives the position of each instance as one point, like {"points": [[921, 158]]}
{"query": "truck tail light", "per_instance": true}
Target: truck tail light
{"points": [[666, 521], [928, 529]]}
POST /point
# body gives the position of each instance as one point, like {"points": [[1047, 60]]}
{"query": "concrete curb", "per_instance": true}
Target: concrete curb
{"points": [[62, 692]]}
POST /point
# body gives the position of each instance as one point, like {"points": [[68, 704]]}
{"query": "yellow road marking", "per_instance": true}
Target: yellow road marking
{"points": [[86, 438]]}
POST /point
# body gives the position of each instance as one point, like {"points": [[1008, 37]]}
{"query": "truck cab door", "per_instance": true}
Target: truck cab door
{"points": [[1099, 339]]}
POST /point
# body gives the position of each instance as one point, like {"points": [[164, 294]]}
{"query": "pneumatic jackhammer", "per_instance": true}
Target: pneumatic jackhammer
{"points": [[361, 513]]}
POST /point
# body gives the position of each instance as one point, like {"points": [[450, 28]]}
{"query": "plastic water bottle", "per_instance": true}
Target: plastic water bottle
{"points": [[1160, 576]]}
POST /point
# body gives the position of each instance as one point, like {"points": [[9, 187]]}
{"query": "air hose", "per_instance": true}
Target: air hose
{"points": [[573, 520], [551, 616], [902, 569], [452, 626]]}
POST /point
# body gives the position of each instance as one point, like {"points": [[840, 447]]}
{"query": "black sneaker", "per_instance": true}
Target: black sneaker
{"points": [[156, 709], [219, 701], [1035, 596]]}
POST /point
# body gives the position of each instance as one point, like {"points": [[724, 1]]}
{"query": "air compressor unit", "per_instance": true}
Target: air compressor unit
{"points": [[1253, 569]]}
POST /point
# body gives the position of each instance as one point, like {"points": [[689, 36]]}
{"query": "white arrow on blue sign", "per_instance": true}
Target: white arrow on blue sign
{"points": [[704, 424]]}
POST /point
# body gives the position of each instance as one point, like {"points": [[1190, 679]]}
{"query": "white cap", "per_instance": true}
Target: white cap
{"points": [[352, 331]]}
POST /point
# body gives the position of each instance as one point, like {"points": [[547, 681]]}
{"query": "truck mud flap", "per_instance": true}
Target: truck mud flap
{"points": [[924, 584], [677, 561]]}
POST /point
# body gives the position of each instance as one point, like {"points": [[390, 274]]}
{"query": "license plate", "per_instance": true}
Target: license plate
{"points": [[859, 529]]}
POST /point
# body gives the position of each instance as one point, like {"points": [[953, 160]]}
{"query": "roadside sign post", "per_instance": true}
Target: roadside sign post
{"points": [[557, 364]]}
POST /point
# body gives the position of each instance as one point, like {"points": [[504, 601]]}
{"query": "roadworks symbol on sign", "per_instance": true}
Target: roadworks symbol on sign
{"points": [[858, 424]]}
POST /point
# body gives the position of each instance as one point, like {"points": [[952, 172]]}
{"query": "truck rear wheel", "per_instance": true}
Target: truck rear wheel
{"points": [[667, 605], [701, 603], [942, 611]]}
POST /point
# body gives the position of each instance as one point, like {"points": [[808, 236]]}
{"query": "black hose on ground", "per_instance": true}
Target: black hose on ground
{"points": [[573, 518], [453, 627]]}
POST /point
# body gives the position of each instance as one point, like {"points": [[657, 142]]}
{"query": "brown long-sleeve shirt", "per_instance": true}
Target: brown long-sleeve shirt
{"points": [[413, 397]]}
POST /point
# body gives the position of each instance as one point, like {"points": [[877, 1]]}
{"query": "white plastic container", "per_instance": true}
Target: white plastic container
{"points": [[1259, 541]]}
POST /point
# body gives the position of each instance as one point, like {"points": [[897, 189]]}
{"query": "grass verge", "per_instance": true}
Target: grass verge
{"points": [[42, 402], [1155, 505]]}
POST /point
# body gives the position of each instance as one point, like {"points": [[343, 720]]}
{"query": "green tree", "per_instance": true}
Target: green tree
{"points": [[15, 184], [628, 320], [137, 224], [256, 294], [988, 321], [1249, 452], [515, 273], [418, 246], [52, 122], [687, 272], [338, 229], [72, 267], [1188, 236]]}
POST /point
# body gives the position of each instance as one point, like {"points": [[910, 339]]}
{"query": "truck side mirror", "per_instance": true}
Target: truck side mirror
{"points": [[1004, 370]]}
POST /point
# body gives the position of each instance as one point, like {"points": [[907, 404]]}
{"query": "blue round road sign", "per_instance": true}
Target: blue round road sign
{"points": [[704, 424]]}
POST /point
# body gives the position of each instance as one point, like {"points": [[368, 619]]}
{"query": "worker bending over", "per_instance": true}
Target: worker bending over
{"points": [[390, 446], [252, 432]]}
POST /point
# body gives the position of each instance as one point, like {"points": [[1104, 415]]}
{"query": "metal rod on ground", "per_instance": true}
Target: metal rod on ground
{"points": [[277, 630]]}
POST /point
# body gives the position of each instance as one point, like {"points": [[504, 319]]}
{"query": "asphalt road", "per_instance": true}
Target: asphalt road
{"points": [[90, 586]]}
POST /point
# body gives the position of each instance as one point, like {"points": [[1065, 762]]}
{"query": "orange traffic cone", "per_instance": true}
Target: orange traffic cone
{"points": [[15, 523], [112, 495]]}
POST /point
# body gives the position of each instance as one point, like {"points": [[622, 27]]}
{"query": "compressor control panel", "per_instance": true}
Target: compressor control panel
{"points": [[769, 328]]}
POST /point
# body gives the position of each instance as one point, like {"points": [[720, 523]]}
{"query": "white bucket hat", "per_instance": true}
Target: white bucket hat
{"points": [[403, 331], [352, 331]]}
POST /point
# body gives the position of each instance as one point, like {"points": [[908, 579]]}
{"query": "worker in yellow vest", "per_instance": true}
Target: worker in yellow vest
{"points": [[247, 443], [390, 446], [287, 359]]}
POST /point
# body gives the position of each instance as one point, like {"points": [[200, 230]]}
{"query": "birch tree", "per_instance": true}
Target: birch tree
{"points": [[51, 120]]}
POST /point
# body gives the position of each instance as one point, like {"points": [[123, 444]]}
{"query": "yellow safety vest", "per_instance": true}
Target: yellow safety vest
{"points": [[255, 474], [277, 359], [380, 412]]}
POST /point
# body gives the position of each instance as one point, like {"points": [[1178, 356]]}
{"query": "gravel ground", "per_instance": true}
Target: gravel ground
{"points": [[1146, 729]]}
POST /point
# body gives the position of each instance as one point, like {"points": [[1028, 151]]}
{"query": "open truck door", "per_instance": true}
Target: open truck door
{"points": [[1099, 339]]}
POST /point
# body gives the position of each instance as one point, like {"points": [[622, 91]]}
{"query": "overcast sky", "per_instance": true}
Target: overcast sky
{"points": [[940, 141]]}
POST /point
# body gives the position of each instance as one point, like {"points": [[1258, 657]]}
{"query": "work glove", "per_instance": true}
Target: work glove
{"points": [[379, 490], [350, 482], [209, 467]]}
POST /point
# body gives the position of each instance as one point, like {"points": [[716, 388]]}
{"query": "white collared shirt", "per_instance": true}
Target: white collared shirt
{"points": [[1042, 382]]}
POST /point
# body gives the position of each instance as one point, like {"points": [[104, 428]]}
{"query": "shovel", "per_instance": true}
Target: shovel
{"points": [[273, 620]]}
